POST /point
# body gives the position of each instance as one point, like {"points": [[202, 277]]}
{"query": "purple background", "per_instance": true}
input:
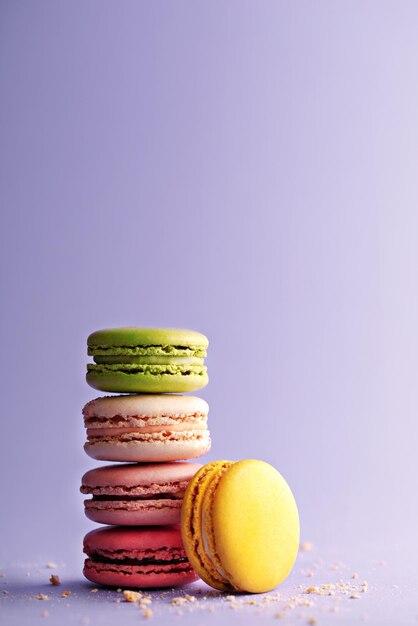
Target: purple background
{"points": [[246, 169]]}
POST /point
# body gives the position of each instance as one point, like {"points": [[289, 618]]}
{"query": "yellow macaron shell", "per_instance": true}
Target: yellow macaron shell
{"points": [[255, 525], [240, 525]]}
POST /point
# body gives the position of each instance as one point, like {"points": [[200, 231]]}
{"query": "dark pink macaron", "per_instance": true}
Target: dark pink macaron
{"points": [[137, 494], [137, 557]]}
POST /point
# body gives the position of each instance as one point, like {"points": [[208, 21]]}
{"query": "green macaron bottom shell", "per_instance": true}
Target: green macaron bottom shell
{"points": [[137, 378]]}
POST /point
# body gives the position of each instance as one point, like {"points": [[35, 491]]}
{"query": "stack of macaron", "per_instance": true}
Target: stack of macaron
{"points": [[149, 430]]}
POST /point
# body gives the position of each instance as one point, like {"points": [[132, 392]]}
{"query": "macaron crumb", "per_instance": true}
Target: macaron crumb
{"points": [[312, 621], [354, 596], [306, 546], [190, 598], [51, 565], [178, 601], [147, 613], [41, 596], [233, 604], [290, 605], [339, 589], [44, 613], [132, 596], [65, 594], [181, 600], [54, 580], [336, 566], [94, 590]]}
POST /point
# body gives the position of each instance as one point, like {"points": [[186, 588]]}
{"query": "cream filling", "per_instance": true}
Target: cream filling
{"points": [[133, 359], [152, 438], [207, 551], [132, 505], [144, 430]]}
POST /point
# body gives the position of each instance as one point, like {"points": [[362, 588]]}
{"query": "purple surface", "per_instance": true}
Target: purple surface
{"points": [[313, 594], [246, 169]]}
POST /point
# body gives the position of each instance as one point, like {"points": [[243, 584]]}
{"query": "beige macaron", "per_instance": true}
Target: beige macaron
{"points": [[146, 428]]}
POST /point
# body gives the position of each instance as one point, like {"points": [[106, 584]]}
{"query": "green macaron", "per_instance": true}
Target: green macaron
{"points": [[147, 360]]}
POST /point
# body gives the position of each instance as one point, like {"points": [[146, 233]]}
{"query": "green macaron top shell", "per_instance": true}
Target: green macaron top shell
{"points": [[133, 341]]}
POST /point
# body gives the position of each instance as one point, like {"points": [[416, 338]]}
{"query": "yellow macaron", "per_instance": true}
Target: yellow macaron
{"points": [[240, 525]]}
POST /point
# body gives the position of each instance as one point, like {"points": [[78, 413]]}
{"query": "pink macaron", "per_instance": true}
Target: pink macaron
{"points": [[146, 428], [137, 494], [137, 557]]}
